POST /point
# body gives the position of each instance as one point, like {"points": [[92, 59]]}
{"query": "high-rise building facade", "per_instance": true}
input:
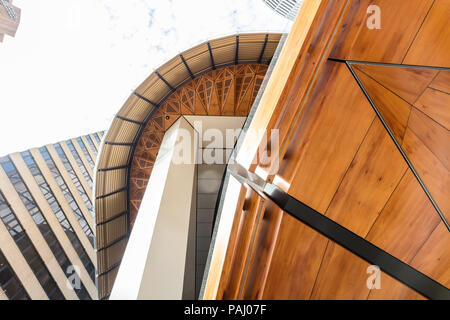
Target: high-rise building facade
{"points": [[286, 8], [46, 229], [9, 19]]}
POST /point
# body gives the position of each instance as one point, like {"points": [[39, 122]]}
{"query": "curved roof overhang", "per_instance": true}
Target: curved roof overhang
{"points": [[111, 190]]}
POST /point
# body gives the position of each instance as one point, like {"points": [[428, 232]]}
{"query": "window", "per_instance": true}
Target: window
{"points": [[96, 136], [74, 178], [86, 152], [9, 283], [27, 249], [78, 161], [37, 216], [62, 219], [91, 144]]}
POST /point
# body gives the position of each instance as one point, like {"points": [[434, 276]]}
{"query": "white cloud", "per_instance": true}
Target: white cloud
{"points": [[72, 64]]}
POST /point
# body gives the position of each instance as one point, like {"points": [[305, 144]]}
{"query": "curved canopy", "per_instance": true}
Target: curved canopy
{"points": [[111, 190]]}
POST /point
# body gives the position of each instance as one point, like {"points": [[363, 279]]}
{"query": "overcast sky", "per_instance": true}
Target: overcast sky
{"points": [[72, 63]]}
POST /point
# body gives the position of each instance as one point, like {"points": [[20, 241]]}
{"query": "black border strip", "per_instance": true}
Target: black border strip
{"points": [[129, 120], [117, 216], [357, 245], [165, 81], [236, 54], [145, 99], [385, 64], [213, 65], [157, 105], [113, 267], [126, 144], [109, 245], [187, 67], [113, 168], [399, 147]]}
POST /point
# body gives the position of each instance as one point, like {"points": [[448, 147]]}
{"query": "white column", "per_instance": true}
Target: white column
{"points": [[159, 262]]}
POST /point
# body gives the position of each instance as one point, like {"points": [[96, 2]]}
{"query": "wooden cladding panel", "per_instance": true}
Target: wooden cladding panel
{"points": [[394, 110], [406, 222], [442, 81], [434, 175], [289, 260], [261, 258], [341, 161], [370, 180], [108, 258], [342, 275], [295, 261], [228, 91], [435, 137], [400, 22], [110, 206], [135, 109], [414, 112], [431, 46], [248, 223], [106, 282], [368, 196], [407, 83], [110, 181], [327, 138], [433, 258], [232, 242], [287, 106], [436, 105]]}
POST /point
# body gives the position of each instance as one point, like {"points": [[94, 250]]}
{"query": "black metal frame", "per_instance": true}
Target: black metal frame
{"points": [[236, 54], [145, 99], [113, 168], [117, 216], [115, 241], [165, 81]]}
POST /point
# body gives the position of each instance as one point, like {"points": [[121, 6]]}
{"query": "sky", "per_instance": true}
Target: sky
{"points": [[72, 64]]}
